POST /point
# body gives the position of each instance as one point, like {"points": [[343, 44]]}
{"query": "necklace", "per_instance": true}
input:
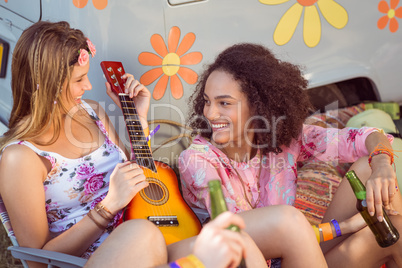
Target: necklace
{"points": [[244, 188]]}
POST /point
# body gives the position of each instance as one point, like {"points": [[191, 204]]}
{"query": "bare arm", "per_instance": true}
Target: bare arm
{"points": [[381, 186], [22, 173]]}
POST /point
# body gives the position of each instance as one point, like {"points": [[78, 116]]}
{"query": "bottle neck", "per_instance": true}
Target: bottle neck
{"points": [[357, 186], [218, 204]]}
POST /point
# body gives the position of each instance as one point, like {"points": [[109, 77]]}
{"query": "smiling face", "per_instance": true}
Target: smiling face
{"points": [[227, 111], [79, 83]]}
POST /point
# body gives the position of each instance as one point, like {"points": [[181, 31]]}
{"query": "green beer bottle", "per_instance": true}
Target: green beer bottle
{"points": [[218, 205], [385, 233]]}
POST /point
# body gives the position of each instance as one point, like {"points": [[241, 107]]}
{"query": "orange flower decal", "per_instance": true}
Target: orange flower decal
{"points": [[170, 61], [98, 4], [391, 12]]}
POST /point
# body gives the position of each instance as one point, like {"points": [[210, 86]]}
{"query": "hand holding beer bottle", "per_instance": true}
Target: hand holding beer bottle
{"points": [[218, 205], [385, 233]]}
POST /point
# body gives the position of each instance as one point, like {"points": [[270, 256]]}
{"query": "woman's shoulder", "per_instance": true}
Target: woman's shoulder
{"points": [[199, 146], [15, 155]]}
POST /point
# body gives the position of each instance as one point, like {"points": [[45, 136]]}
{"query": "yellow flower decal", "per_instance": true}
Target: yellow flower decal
{"points": [[98, 4], [169, 61], [333, 13], [391, 14]]}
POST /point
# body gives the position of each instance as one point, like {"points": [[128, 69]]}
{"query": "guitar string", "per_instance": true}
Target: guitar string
{"points": [[130, 131], [145, 158], [140, 160]]}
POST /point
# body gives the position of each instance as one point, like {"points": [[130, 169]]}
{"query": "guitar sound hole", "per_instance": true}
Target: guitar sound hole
{"points": [[156, 193]]}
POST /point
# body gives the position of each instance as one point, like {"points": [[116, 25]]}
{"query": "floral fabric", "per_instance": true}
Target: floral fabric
{"points": [[203, 162], [75, 186]]}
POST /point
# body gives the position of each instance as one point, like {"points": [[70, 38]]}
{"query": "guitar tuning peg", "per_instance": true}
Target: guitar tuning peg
{"points": [[113, 76], [116, 84], [109, 69], [119, 69]]}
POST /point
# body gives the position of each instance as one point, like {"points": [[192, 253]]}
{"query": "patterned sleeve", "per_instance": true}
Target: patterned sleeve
{"points": [[331, 144], [196, 169]]}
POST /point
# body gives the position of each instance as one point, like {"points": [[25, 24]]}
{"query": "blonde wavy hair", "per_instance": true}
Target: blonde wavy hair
{"points": [[42, 61]]}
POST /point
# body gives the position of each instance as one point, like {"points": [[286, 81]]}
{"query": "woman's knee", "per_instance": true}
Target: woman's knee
{"points": [[141, 227], [362, 168], [285, 219], [291, 217]]}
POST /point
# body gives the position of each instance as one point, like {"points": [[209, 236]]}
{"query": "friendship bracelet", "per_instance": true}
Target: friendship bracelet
{"points": [[102, 211], [105, 208], [326, 230], [100, 226], [381, 149], [337, 228]]}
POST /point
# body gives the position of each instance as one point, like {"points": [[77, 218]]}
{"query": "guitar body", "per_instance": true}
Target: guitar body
{"points": [[161, 202]]}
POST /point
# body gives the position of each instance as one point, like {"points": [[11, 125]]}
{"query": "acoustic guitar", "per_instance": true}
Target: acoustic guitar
{"points": [[161, 202]]}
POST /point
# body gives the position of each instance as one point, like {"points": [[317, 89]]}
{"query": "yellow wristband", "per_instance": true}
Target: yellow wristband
{"points": [[185, 262], [146, 134], [196, 261], [317, 233]]}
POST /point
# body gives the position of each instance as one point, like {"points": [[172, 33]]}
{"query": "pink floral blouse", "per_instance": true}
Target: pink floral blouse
{"points": [[270, 179]]}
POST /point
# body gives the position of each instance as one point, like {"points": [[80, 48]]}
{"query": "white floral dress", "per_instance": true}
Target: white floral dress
{"points": [[75, 186]]}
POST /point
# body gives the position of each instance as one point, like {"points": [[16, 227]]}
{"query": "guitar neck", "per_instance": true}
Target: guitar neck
{"points": [[138, 140]]}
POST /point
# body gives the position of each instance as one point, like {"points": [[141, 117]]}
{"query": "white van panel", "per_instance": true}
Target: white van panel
{"points": [[347, 47]]}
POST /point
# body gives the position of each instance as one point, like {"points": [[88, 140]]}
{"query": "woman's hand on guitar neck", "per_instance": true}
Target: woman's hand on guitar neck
{"points": [[139, 93], [126, 180]]}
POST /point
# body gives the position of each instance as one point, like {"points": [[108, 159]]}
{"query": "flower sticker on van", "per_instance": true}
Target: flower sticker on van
{"points": [[170, 61], [333, 13], [391, 12], [98, 4]]}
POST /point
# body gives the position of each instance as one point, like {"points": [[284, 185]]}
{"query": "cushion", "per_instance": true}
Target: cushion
{"points": [[318, 181]]}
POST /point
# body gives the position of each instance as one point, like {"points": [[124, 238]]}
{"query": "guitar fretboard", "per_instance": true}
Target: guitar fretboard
{"points": [[138, 140]]}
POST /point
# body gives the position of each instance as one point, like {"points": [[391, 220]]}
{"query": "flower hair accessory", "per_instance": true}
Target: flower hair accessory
{"points": [[83, 58]]}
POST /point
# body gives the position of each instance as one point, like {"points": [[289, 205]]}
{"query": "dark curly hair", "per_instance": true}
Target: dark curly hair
{"points": [[275, 90]]}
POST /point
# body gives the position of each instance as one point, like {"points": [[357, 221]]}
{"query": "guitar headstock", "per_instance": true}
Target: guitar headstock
{"points": [[113, 71]]}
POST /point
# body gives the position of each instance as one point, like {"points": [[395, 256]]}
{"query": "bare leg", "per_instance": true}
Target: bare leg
{"points": [[283, 232], [135, 243], [342, 207], [362, 250]]}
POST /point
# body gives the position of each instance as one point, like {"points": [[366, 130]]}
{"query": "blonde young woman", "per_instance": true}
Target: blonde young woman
{"points": [[64, 176]]}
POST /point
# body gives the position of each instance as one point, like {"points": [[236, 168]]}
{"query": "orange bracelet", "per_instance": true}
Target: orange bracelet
{"points": [[381, 149], [326, 230], [190, 261]]}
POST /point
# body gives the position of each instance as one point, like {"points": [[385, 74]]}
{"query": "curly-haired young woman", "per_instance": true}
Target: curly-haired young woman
{"points": [[249, 110]]}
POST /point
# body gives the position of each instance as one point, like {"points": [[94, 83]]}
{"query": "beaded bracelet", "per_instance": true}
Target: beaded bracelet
{"points": [[190, 261], [337, 228], [381, 149]]}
